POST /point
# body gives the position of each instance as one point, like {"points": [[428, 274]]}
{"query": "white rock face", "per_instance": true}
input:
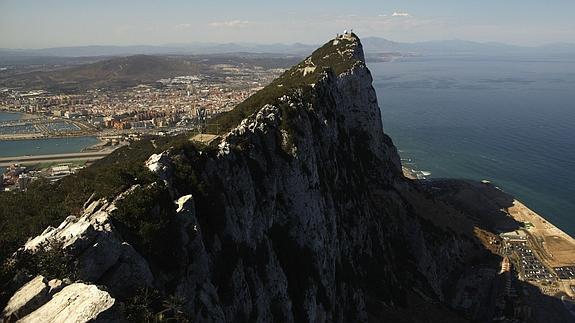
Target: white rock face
{"points": [[159, 164], [77, 302], [27, 299], [74, 230], [183, 203]]}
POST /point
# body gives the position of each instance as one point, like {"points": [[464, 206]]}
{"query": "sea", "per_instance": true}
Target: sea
{"points": [[41, 146], [510, 120]]}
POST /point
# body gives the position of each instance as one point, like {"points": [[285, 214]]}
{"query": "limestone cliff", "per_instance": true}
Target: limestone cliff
{"points": [[298, 212]]}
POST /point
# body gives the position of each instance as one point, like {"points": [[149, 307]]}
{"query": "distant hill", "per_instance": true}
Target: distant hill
{"points": [[170, 49], [115, 72], [72, 68], [371, 44], [463, 47]]}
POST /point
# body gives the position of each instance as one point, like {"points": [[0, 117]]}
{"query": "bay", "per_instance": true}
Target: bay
{"points": [[41, 146]]}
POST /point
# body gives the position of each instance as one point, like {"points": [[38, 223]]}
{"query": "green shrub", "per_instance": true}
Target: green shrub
{"points": [[146, 219]]}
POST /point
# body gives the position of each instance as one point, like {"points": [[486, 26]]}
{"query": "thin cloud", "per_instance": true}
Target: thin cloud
{"points": [[400, 14], [231, 23], [183, 26]]}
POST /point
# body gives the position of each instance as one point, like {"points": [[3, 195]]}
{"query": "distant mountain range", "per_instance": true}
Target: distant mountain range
{"points": [[463, 47], [74, 68], [125, 71], [115, 72], [371, 45]]}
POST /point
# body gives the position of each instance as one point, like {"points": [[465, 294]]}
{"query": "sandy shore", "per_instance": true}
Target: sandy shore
{"points": [[27, 116], [558, 246], [408, 173], [100, 145]]}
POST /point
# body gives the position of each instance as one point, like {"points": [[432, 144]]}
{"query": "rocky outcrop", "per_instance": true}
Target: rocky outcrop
{"points": [[102, 256], [31, 296], [74, 303], [40, 300]]}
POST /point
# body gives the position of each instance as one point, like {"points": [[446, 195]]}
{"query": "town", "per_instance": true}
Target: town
{"points": [[171, 103], [117, 117]]}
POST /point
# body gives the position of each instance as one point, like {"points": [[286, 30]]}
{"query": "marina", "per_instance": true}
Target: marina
{"points": [[41, 128]]}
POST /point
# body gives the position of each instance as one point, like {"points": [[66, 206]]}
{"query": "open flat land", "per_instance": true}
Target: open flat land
{"points": [[31, 160], [557, 246]]}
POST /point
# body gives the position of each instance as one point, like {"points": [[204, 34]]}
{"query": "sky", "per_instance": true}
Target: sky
{"points": [[55, 23]]}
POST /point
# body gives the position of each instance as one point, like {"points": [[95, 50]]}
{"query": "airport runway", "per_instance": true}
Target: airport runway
{"points": [[7, 161]]}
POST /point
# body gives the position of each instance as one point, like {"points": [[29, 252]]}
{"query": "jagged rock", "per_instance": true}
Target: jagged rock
{"points": [[95, 260], [77, 302], [186, 217], [27, 299], [101, 254], [75, 233], [160, 164], [55, 286]]}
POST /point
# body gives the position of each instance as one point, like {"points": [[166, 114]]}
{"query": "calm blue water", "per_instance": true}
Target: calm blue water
{"points": [[509, 121], [5, 116], [45, 146], [42, 146]]}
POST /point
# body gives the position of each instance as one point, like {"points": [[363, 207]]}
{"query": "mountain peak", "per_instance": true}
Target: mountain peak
{"points": [[336, 57]]}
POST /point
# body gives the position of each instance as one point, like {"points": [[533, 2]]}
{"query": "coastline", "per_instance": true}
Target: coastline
{"points": [[522, 213], [553, 247], [408, 172], [28, 136], [100, 145], [28, 116]]}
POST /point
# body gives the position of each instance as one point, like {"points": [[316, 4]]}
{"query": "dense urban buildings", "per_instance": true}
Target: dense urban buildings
{"points": [[118, 115], [180, 102]]}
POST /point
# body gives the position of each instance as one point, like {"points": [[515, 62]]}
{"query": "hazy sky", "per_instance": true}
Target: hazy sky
{"points": [[51, 23]]}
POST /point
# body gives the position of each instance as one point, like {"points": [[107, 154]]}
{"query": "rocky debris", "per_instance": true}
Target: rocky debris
{"points": [[77, 302], [27, 299]]}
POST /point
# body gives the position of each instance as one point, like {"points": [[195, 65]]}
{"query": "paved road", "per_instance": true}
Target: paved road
{"points": [[7, 161]]}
